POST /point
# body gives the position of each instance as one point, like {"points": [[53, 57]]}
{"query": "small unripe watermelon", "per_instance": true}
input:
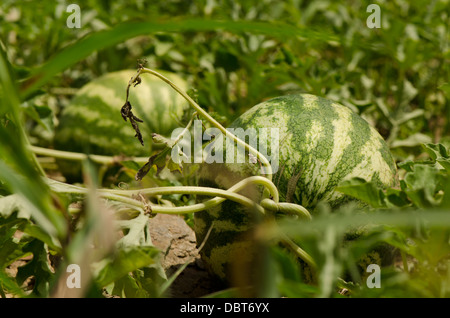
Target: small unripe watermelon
{"points": [[92, 121], [321, 143]]}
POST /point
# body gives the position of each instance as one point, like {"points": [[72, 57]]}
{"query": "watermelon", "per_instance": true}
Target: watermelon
{"points": [[92, 121], [321, 143]]}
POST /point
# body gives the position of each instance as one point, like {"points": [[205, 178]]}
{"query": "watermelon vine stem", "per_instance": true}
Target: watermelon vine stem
{"points": [[201, 190], [286, 208], [205, 114], [220, 195], [298, 250], [124, 196], [105, 160]]}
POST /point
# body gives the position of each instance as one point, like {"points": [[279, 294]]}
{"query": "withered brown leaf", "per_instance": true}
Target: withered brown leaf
{"points": [[127, 113]]}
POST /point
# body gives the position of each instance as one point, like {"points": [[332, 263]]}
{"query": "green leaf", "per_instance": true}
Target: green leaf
{"points": [[9, 284], [11, 247], [34, 200], [127, 287], [160, 160], [38, 267], [37, 232], [18, 167], [40, 114], [130, 164], [436, 151], [122, 32], [422, 186], [127, 259], [439, 153], [173, 166], [148, 276], [411, 141], [138, 232], [404, 117], [407, 165], [446, 89], [436, 247], [364, 191], [396, 198], [14, 203]]}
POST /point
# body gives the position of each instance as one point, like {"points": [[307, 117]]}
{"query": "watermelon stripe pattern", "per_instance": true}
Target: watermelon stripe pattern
{"points": [[326, 140], [92, 122], [322, 143]]}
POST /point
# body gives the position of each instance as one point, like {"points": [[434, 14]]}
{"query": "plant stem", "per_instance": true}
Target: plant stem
{"points": [[200, 190], [221, 195], [205, 114], [106, 160], [285, 208], [185, 129], [298, 250]]}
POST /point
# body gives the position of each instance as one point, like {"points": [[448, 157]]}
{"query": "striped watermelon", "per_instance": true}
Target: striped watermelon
{"points": [[92, 121], [321, 144]]}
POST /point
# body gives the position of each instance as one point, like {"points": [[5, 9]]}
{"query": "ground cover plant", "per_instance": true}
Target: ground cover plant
{"points": [[229, 57]]}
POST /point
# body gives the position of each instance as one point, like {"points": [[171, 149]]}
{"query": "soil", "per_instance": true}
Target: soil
{"points": [[176, 240]]}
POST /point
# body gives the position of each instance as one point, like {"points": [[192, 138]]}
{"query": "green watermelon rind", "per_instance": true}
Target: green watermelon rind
{"points": [[92, 122], [332, 144]]}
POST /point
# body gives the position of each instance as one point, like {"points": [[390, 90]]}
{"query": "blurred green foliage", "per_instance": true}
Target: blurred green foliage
{"points": [[390, 75], [235, 55]]}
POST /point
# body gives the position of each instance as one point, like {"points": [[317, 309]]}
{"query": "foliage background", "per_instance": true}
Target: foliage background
{"points": [[235, 54]]}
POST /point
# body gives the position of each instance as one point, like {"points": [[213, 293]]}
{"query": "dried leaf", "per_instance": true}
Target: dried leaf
{"points": [[125, 110], [137, 81], [160, 160], [127, 113], [143, 171]]}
